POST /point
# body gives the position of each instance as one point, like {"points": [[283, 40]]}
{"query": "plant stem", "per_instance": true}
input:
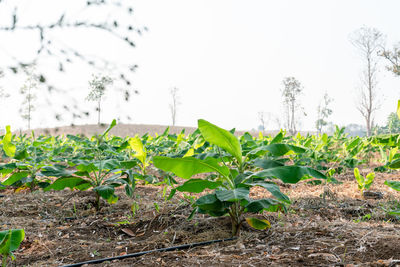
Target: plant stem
{"points": [[235, 213], [4, 261], [97, 201], [98, 115]]}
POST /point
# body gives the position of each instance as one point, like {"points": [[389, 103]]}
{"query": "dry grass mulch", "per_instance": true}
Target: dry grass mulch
{"points": [[342, 230]]}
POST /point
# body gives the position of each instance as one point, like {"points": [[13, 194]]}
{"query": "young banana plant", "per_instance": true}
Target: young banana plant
{"points": [[234, 174]]}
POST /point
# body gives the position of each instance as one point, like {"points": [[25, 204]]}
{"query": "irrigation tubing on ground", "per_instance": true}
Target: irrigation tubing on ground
{"points": [[137, 254]]}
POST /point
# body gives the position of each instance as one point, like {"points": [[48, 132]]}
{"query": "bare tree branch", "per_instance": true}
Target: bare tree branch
{"points": [[368, 42]]}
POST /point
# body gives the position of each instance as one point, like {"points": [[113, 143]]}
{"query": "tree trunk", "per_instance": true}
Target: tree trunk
{"points": [[98, 114]]}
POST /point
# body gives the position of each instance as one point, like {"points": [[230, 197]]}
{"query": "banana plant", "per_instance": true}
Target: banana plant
{"points": [[102, 173], [27, 160], [8, 147], [9, 242], [395, 165], [233, 174], [364, 183]]}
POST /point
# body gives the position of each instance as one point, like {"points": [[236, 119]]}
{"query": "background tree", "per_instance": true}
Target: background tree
{"points": [[51, 41], [354, 129], [28, 91], [392, 125], [264, 118], [393, 56], [98, 86], [2, 92], [173, 106], [291, 92], [323, 112], [368, 41]]}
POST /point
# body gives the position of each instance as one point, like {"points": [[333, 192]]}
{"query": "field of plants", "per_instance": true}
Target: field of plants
{"points": [[233, 199]]}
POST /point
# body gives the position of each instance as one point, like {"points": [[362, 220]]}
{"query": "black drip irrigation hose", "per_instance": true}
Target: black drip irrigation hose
{"points": [[137, 254]]}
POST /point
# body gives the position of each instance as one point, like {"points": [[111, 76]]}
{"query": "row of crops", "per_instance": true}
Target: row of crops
{"points": [[211, 161]]}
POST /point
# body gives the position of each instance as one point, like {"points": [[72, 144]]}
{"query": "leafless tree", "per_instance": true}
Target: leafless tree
{"points": [[393, 56], [29, 91], [264, 118], [323, 112], [174, 104], [291, 92], [3, 94], [368, 41]]}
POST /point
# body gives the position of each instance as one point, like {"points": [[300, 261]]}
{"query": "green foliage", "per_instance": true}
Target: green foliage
{"points": [[392, 125], [323, 112], [9, 242], [99, 172], [8, 147], [364, 183], [221, 138], [98, 86], [235, 169]]}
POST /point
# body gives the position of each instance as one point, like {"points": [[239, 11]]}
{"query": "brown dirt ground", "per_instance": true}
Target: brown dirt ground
{"points": [[344, 230]]}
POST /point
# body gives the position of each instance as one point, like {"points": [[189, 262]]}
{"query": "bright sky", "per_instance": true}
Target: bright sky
{"points": [[228, 58]]}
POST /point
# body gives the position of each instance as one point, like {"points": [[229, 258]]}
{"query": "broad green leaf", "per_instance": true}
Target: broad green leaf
{"points": [[188, 166], [233, 195], [393, 184], [258, 224], [56, 171], [8, 147], [128, 164], [112, 125], [5, 243], [395, 164], [398, 109], [267, 163], [359, 178], [267, 204], [189, 153], [197, 185], [10, 240], [277, 150], [15, 177], [108, 164], [354, 143], [222, 138], [86, 166], [70, 182], [209, 202], [7, 168], [136, 144], [289, 174], [278, 138], [369, 179], [106, 192], [272, 188], [21, 154], [392, 153], [324, 138]]}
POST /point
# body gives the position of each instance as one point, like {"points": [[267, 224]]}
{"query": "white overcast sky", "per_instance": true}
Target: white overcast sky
{"points": [[228, 58]]}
